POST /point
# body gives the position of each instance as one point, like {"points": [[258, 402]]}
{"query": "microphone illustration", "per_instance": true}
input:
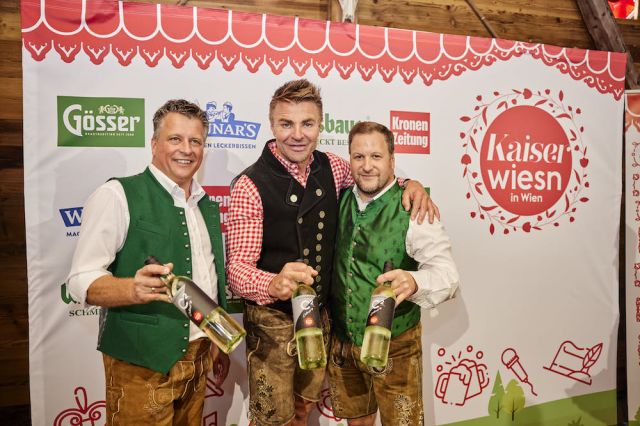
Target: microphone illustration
{"points": [[511, 360]]}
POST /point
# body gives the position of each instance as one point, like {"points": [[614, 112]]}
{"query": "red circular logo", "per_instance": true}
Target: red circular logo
{"points": [[525, 160], [197, 316]]}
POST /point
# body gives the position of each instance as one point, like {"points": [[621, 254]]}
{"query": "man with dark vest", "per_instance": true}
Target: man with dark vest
{"points": [[156, 362], [284, 208], [374, 228]]}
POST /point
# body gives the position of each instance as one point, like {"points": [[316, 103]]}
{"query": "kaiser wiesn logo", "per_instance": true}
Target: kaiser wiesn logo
{"points": [[524, 160]]}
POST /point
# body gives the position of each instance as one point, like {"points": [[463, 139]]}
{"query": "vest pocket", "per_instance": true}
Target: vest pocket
{"points": [[153, 228], [139, 318]]}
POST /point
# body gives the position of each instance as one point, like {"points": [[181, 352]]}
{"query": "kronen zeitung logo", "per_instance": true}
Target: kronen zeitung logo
{"points": [[411, 131], [100, 122], [524, 160]]}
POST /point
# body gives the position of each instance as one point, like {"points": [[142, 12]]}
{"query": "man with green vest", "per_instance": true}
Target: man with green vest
{"points": [[374, 228], [156, 362]]}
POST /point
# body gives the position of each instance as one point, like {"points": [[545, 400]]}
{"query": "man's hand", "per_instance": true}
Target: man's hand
{"points": [[221, 364], [282, 285], [416, 198], [147, 286], [402, 283]]}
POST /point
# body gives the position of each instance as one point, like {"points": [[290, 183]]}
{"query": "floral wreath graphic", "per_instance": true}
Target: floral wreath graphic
{"points": [[486, 208]]}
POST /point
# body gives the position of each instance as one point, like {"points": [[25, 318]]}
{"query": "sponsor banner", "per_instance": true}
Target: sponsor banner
{"points": [[632, 245], [93, 122], [513, 139], [411, 131]]}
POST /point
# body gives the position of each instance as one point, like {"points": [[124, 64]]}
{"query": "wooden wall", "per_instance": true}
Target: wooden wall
{"points": [[548, 21]]}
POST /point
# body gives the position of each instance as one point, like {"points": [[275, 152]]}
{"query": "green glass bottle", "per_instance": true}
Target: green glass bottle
{"points": [[308, 328], [196, 305], [377, 334]]}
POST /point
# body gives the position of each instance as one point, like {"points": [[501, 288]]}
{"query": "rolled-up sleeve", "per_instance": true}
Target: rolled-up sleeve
{"points": [[105, 221], [437, 275]]}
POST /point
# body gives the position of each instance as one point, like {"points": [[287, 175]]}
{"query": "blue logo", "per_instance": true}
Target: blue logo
{"points": [[71, 216], [223, 124]]}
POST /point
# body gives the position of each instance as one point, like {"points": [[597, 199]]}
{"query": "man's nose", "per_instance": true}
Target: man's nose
{"points": [[297, 132]]}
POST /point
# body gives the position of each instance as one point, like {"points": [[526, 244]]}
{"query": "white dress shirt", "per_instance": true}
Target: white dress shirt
{"points": [[427, 243], [105, 223]]}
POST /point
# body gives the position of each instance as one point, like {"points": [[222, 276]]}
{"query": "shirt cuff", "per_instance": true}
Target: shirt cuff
{"points": [[428, 295], [79, 284]]}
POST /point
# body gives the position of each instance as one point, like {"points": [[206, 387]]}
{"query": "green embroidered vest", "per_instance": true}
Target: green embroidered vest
{"points": [[155, 335], [364, 242]]}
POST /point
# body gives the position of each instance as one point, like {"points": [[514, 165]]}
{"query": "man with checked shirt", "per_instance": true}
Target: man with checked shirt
{"points": [[283, 208]]}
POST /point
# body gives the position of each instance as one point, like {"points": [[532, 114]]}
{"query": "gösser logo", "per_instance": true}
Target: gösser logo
{"points": [[100, 122], [524, 160], [411, 131]]}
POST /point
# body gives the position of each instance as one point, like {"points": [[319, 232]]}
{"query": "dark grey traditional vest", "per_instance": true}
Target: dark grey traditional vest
{"points": [[299, 223]]}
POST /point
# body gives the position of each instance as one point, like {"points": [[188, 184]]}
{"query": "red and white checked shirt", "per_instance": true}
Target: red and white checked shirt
{"points": [[244, 228]]}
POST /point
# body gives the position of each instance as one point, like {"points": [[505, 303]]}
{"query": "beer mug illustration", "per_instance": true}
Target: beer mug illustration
{"points": [[462, 382]]}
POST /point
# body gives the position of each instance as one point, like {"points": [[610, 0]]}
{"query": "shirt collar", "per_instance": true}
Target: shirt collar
{"points": [[363, 204], [291, 167], [197, 192]]}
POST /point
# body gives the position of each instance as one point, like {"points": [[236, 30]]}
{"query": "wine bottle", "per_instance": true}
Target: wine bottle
{"points": [[308, 329], [377, 334], [196, 305]]}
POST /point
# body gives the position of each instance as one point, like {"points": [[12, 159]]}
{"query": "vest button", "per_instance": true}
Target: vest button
{"points": [[350, 320], [318, 287], [318, 278], [318, 258], [321, 214], [186, 246], [185, 338], [293, 198], [318, 268], [186, 324], [350, 334], [188, 272], [305, 252], [185, 234], [319, 237], [318, 192], [350, 306], [181, 213], [320, 225], [349, 290], [318, 247], [184, 351], [183, 223], [188, 259], [300, 220], [350, 274]]}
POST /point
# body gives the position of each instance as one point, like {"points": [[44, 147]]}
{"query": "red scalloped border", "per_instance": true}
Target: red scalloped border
{"points": [[153, 32]]}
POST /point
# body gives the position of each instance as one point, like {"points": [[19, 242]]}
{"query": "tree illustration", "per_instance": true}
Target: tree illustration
{"points": [[513, 400], [497, 394]]}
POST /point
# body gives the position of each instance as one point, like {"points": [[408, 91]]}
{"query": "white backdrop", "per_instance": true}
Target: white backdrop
{"points": [[521, 154], [632, 250]]}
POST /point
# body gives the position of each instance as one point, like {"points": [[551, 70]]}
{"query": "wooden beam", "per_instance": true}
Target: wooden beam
{"points": [[482, 18], [606, 35]]}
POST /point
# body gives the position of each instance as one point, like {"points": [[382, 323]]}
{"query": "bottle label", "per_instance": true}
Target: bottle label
{"points": [[193, 302], [381, 311], [306, 313]]}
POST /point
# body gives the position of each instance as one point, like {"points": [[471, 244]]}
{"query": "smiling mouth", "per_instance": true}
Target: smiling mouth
{"points": [[184, 162]]}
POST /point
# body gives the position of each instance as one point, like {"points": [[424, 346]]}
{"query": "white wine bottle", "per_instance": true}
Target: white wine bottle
{"points": [[196, 305], [377, 334], [308, 328]]}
